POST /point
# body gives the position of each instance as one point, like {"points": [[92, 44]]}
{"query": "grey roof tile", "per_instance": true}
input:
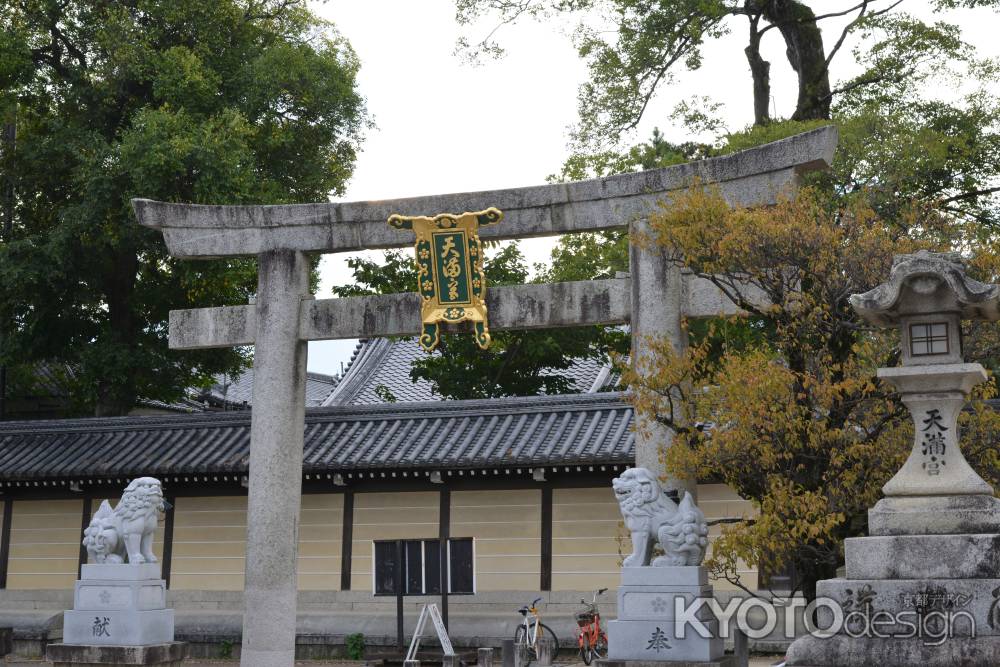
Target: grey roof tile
{"points": [[238, 390], [532, 431]]}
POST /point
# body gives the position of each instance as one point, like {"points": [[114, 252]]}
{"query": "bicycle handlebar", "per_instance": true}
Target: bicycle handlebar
{"points": [[601, 591], [528, 607]]}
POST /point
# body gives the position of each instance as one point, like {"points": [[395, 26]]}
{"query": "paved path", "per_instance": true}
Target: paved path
{"points": [[757, 661]]}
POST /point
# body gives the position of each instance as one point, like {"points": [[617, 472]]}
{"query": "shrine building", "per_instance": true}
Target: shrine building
{"points": [[519, 489]]}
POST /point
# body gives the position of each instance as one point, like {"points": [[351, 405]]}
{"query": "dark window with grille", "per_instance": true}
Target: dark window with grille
{"points": [[928, 339], [421, 567]]}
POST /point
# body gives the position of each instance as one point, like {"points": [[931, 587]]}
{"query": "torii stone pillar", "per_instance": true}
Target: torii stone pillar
{"points": [[275, 480], [653, 298], [658, 291]]}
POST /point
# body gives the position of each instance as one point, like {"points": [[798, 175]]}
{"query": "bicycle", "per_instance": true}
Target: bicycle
{"points": [[593, 641], [531, 629]]}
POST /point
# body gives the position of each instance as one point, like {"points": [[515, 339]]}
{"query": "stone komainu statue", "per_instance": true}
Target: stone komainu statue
{"points": [[653, 517], [126, 531]]}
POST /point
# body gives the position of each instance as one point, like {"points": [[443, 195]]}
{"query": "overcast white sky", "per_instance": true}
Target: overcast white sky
{"points": [[445, 126]]}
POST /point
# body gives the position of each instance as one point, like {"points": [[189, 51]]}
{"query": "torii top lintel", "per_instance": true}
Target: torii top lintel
{"points": [[752, 177]]}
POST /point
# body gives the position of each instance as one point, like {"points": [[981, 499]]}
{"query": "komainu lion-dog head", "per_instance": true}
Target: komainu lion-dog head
{"points": [[639, 494], [142, 495]]}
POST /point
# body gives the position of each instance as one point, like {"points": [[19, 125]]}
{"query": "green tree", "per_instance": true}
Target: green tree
{"points": [[601, 255], [652, 154], [517, 363], [653, 42], [181, 100]]}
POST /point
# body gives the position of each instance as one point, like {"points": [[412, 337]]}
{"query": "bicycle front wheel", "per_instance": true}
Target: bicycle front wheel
{"points": [[585, 653], [521, 639], [546, 631], [600, 649]]}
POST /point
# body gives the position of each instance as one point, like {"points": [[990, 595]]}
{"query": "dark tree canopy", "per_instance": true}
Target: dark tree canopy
{"points": [[228, 101]]}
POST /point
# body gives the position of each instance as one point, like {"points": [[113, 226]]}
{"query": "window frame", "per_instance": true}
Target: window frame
{"points": [[472, 564], [929, 338], [423, 565]]}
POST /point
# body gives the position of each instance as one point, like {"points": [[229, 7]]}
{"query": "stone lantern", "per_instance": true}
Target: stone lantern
{"points": [[926, 297], [931, 554]]}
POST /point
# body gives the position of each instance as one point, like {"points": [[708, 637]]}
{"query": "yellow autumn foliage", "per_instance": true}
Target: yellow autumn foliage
{"points": [[795, 418]]}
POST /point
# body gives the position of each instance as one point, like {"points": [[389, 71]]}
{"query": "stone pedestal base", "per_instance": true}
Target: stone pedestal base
{"points": [[968, 606], [724, 661], [170, 654], [656, 641], [910, 600], [645, 631], [119, 605], [118, 628], [923, 557], [844, 651], [935, 515]]}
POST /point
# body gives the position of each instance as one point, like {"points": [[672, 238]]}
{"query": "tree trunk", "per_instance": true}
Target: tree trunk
{"points": [[760, 69], [116, 392], [806, 55], [810, 572], [8, 140]]}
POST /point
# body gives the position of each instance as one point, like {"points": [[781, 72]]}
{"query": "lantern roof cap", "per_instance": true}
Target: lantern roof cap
{"points": [[924, 283]]}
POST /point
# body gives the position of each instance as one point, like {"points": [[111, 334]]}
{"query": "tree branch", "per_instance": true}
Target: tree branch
{"points": [[853, 24], [817, 18], [864, 81], [970, 195], [844, 33], [978, 216], [251, 13], [649, 93], [519, 9], [716, 522], [738, 582]]}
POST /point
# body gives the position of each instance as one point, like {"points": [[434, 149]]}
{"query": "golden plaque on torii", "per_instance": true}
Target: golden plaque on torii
{"points": [[450, 278]]}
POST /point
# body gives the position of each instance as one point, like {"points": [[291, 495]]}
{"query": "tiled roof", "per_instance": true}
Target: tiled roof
{"points": [[227, 392], [238, 390], [381, 367], [185, 404], [532, 431], [52, 380]]}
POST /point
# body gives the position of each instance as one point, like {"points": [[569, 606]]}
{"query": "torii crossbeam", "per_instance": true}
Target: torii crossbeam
{"points": [[652, 299]]}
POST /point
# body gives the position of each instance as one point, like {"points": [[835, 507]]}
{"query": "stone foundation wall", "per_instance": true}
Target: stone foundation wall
{"points": [[212, 621]]}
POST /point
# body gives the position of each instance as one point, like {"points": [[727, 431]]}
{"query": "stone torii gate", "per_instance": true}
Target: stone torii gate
{"points": [[653, 299]]}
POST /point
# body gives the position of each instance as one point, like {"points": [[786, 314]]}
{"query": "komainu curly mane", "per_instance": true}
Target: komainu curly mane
{"points": [[653, 517], [127, 530], [139, 499]]}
